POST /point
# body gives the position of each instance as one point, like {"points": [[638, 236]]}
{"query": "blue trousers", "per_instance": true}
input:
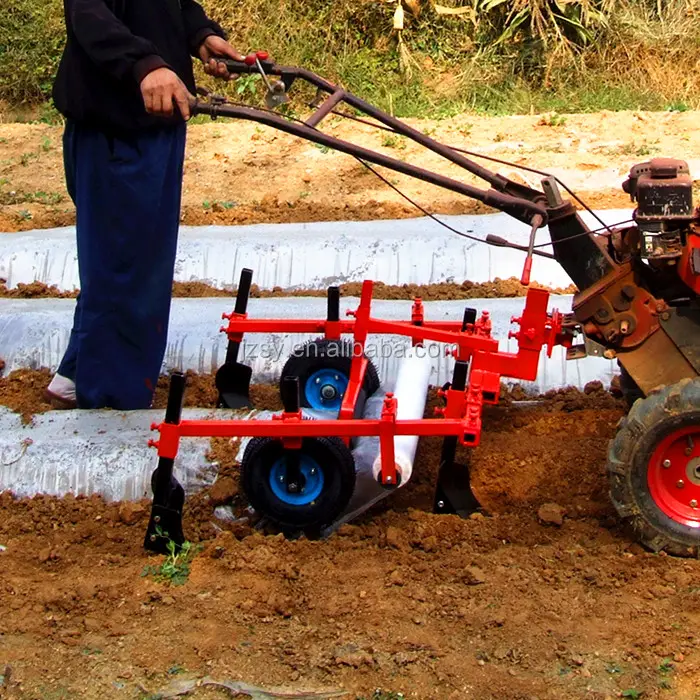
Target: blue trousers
{"points": [[127, 194]]}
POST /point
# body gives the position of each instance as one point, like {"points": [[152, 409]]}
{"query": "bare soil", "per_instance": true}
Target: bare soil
{"points": [[544, 595], [500, 605], [23, 392], [239, 173]]}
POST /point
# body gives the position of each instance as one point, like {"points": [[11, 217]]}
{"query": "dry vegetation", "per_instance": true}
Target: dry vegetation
{"points": [[420, 57]]}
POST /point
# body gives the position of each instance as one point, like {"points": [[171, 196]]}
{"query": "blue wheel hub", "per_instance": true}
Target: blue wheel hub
{"points": [[309, 487], [325, 388]]}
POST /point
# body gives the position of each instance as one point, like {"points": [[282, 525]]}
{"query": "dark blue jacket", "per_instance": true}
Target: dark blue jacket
{"points": [[113, 44]]}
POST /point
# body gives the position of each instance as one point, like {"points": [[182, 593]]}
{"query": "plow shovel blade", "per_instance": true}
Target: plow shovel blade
{"points": [[165, 524], [233, 383], [454, 491]]}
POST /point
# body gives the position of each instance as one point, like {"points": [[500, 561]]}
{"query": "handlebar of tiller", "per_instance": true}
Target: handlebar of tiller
{"points": [[513, 203]]}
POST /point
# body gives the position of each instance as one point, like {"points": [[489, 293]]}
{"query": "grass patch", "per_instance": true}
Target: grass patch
{"points": [[392, 141], [218, 205], [175, 568], [38, 197]]}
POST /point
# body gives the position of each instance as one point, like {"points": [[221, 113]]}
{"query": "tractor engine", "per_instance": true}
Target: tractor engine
{"points": [[638, 288], [663, 190]]}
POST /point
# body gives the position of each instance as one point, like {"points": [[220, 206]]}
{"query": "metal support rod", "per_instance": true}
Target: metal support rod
{"points": [[517, 207], [326, 108], [173, 412], [527, 267], [291, 73], [165, 523], [233, 378], [453, 493], [240, 307]]}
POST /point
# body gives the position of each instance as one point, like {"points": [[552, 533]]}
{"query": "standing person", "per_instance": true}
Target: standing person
{"points": [[124, 85]]}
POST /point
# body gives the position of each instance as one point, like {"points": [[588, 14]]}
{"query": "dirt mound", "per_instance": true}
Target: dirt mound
{"points": [[495, 289], [34, 290], [24, 388], [293, 211], [23, 391], [192, 290]]}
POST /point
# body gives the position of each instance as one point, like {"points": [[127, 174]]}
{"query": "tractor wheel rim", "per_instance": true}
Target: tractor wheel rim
{"points": [[325, 388], [313, 481], [673, 476]]}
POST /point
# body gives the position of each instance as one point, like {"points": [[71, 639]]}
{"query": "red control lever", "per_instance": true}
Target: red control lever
{"points": [[527, 268], [251, 58]]}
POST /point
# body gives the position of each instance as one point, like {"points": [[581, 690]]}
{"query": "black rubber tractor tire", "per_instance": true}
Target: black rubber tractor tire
{"points": [[321, 354], [629, 388], [631, 457], [330, 455]]}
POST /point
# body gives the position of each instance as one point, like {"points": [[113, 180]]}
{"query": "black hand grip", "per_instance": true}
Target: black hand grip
{"points": [[243, 292], [238, 66], [469, 318], [176, 397], [333, 313], [459, 376], [289, 393]]}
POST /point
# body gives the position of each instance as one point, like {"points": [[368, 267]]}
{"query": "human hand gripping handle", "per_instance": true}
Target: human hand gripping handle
{"points": [[212, 51], [162, 91]]}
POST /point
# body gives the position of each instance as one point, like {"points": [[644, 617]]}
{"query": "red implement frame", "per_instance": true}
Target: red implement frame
{"points": [[461, 416]]}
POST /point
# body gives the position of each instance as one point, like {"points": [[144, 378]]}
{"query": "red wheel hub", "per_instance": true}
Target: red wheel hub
{"points": [[673, 476]]}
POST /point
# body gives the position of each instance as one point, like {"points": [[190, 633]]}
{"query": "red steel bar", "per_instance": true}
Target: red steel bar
{"points": [[462, 414]]}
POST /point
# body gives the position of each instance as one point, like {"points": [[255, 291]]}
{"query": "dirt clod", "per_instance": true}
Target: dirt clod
{"points": [[473, 576], [132, 513], [551, 514], [350, 655], [593, 387], [223, 491], [396, 538]]}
